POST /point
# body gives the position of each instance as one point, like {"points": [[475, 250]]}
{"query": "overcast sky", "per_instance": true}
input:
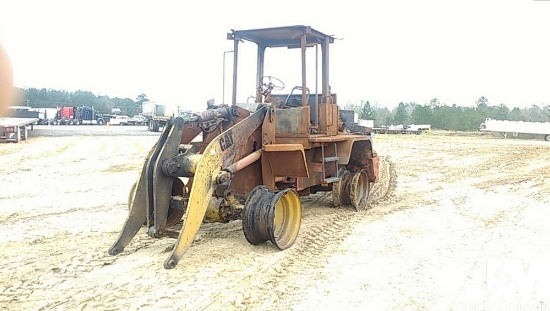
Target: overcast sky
{"points": [[391, 51]]}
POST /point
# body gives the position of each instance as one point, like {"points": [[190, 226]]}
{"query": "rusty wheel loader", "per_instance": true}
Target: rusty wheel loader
{"points": [[254, 164]]}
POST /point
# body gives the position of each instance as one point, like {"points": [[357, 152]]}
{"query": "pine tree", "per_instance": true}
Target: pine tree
{"points": [[367, 113]]}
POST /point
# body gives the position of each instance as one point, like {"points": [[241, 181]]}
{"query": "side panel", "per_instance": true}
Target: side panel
{"points": [[292, 122], [286, 160]]}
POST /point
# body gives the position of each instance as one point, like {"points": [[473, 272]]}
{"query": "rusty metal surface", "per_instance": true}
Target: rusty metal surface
{"points": [[232, 139], [296, 140], [321, 138], [249, 177], [328, 119], [292, 122], [190, 131], [268, 127], [288, 163], [355, 147], [282, 147]]}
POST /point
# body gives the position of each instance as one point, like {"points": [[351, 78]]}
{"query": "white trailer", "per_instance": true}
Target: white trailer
{"points": [[15, 129], [516, 127], [45, 115]]}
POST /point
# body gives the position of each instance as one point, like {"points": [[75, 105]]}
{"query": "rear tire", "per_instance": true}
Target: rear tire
{"points": [[359, 190], [547, 137]]}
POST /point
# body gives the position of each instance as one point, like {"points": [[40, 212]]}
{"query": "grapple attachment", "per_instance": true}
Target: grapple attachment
{"points": [[160, 197]]}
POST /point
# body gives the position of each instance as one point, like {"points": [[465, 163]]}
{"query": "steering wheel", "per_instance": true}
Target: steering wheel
{"points": [[272, 83]]}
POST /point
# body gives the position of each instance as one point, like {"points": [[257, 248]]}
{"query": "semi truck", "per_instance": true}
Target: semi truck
{"points": [[67, 115], [87, 115]]}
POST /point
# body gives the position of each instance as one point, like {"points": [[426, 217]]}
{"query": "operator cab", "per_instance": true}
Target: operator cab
{"points": [[317, 106]]}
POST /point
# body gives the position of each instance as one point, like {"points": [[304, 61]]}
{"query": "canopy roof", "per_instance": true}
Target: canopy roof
{"points": [[289, 36]]}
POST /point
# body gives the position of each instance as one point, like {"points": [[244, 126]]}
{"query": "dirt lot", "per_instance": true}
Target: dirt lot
{"points": [[459, 205]]}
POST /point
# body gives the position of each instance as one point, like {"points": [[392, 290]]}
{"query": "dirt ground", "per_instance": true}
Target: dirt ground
{"points": [[458, 205]]}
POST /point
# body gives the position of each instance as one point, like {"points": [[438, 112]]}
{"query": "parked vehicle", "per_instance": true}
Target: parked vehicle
{"points": [[87, 115], [15, 129], [65, 116], [516, 127], [14, 126], [137, 120], [119, 120], [22, 112], [157, 115], [45, 115]]}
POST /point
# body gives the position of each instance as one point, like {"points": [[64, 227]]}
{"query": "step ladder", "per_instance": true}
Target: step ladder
{"points": [[329, 160]]}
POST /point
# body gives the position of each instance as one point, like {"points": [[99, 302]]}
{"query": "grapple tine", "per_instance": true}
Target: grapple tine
{"points": [[149, 173], [137, 215], [161, 183]]}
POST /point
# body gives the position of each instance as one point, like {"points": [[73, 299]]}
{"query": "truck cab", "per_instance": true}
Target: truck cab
{"points": [[87, 115]]}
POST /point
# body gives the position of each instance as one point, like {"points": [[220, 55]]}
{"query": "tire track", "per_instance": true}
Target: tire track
{"points": [[321, 234]]}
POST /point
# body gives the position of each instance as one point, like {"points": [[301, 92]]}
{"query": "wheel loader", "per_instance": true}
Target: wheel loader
{"points": [[228, 162]]}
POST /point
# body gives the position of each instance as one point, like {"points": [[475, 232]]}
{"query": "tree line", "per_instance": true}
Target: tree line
{"points": [[438, 115], [50, 98], [444, 117]]}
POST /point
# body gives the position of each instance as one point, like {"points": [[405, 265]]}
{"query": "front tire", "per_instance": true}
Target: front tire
{"points": [[272, 216]]}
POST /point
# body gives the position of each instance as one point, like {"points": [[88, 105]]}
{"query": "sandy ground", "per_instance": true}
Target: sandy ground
{"points": [[459, 206]]}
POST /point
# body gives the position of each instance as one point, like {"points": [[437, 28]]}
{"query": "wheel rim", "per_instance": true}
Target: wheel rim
{"points": [[272, 216], [287, 217]]}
